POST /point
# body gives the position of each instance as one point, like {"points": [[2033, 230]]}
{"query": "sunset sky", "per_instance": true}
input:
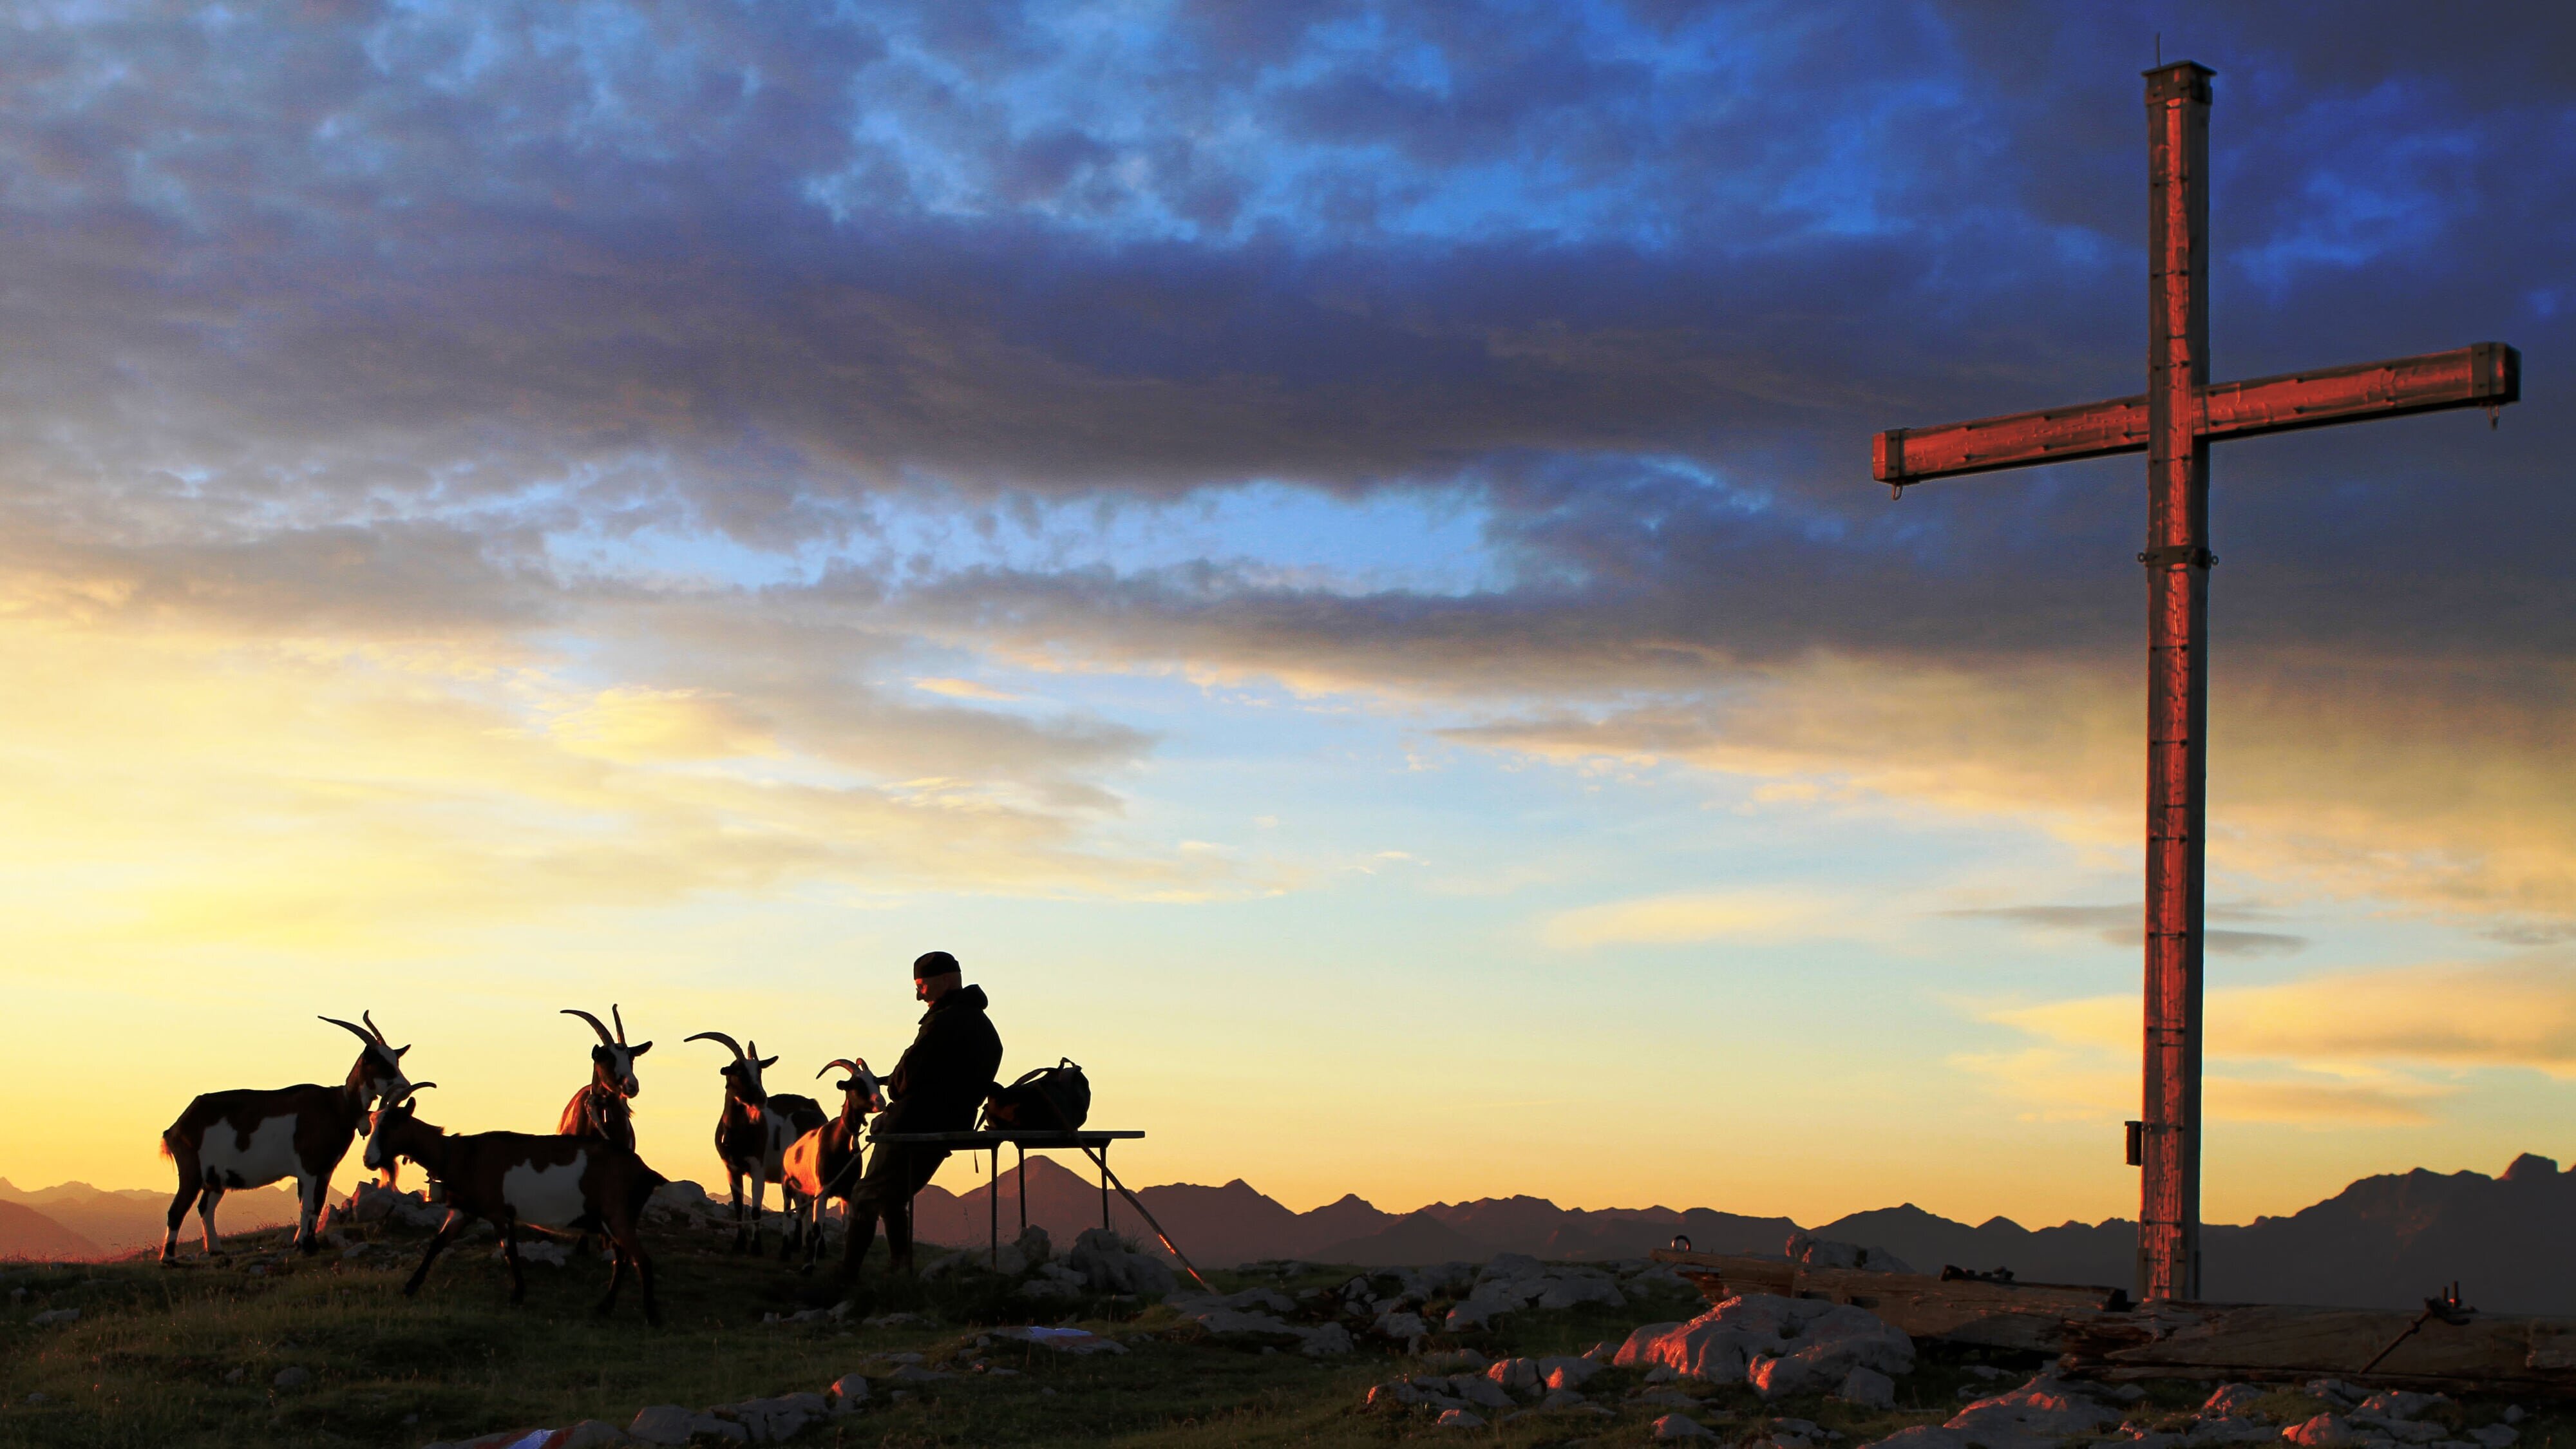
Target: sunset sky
{"points": [[1326, 551]]}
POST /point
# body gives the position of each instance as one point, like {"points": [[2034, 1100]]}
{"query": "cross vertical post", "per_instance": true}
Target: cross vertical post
{"points": [[2177, 560], [2174, 423]]}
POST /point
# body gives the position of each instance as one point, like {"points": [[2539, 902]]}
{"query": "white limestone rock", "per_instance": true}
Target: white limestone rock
{"points": [[2230, 1401], [1868, 1388], [1566, 1371], [1779, 1345], [1406, 1327], [1807, 1250], [662, 1424], [2037, 1415]]}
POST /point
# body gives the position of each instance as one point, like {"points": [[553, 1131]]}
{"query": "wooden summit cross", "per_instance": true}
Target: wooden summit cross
{"points": [[2174, 423]]}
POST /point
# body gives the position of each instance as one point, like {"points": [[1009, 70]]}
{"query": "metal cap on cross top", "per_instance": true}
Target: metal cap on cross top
{"points": [[2174, 423]]}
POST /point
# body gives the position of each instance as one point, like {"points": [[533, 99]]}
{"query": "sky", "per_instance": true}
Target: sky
{"points": [[1325, 550]]}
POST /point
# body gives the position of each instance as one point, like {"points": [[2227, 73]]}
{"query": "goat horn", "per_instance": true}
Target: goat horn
{"points": [[718, 1036], [353, 1029], [595, 1025], [369, 1018], [621, 1023], [841, 1062]]}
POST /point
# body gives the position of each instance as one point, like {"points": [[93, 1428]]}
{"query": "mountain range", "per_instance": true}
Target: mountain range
{"points": [[2388, 1241], [2384, 1242], [108, 1221]]}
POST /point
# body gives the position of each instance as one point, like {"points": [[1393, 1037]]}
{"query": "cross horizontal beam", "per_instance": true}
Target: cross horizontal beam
{"points": [[2486, 374]]}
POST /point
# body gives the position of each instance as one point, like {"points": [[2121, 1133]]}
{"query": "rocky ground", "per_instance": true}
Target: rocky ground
{"points": [[1051, 1343]]}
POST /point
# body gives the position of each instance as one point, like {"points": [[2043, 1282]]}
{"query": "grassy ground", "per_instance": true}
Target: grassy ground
{"points": [[188, 1357]]}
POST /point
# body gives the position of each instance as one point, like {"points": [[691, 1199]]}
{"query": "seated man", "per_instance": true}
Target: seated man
{"points": [[937, 1086]]}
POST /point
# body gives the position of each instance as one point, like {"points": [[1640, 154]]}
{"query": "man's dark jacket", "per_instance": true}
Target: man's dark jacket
{"points": [[944, 1074]]}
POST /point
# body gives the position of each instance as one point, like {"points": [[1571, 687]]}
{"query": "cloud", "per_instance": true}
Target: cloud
{"points": [[964, 689], [1682, 919], [444, 332], [2119, 926], [2456, 1016], [2055, 1084]]}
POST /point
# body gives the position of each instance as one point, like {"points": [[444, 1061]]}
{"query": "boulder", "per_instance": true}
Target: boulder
{"points": [[1454, 1360], [775, 1420], [1516, 1375], [1566, 1371], [662, 1424], [1459, 1419], [1405, 1326], [2495, 1436], [1323, 1342], [1779, 1345], [52, 1316], [292, 1378], [1681, 1426], [1921, 1436], [2401, 1404], [1810, 1251], [850, 1390], [1107, 1266], [2325, 1431], [2230, 1401], [2038, 1415], [1868, 1388]]}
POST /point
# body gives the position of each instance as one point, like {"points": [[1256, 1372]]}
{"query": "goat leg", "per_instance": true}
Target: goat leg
{"points": [[616, 1277], [206, 1219], [437, 1244], [309, 1193], [644, 1270], [740, 1237], [186, 1197], [510, 1252]]}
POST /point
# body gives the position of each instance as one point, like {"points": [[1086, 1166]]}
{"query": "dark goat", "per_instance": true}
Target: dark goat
{"points": [[251, 1138], [824, 1163], [509, 1178], [753, 1134]]}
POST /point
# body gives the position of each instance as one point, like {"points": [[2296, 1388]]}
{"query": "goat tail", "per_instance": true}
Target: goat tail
{"points": [[165, 1144]]}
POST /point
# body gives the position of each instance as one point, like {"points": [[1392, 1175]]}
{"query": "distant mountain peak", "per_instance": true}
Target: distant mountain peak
{"points": [[2528, 1166]]}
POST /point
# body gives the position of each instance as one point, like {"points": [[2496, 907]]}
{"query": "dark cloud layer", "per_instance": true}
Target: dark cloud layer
{"points": [[1641, 280]]}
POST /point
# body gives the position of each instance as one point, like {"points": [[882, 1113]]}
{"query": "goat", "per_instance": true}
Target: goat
{"points": [[251, 1138], [507, 1178], [600, 1109], [753, 1134], [824, 1163]]}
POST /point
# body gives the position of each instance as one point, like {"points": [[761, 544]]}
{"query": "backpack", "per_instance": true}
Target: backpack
{"points": [[1050, 1099]]}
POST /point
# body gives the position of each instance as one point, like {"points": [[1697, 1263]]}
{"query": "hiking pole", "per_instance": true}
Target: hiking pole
{"points": [[1103, 1159]]}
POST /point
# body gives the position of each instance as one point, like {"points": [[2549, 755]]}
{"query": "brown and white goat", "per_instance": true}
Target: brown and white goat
{"points": [[753, 1134], [509, 1178], [251, 1138], [824, 1163], [600, 1109]]}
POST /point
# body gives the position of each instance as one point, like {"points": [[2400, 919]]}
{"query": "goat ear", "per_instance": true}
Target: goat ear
{"points": [[767, 1062], [639, 1050], [401, 1050]]}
